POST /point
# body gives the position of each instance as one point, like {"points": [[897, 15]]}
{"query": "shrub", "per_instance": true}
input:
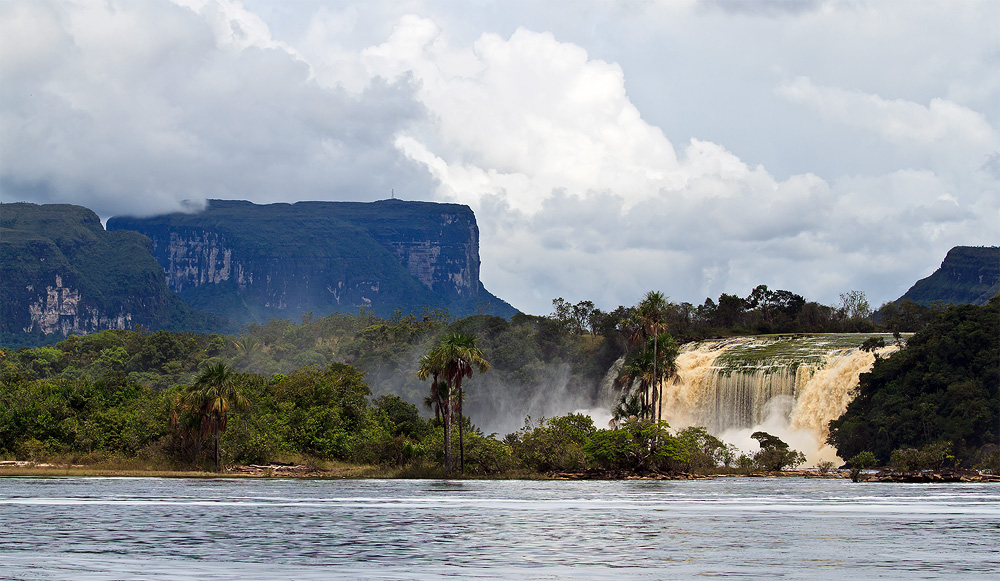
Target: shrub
{"points": [[931, 457], [859, 462], [553, 444], [825, 466], [637, 446], [774, 454]]}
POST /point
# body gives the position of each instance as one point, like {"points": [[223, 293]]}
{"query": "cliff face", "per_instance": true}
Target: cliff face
{"points": [[968, 275], [249, 262], [62, 273]]}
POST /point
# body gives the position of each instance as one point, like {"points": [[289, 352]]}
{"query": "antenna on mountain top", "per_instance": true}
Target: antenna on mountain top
{"points": [[393, 191]]}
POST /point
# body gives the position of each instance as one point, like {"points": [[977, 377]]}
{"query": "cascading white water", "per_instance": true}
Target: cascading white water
{"points": [[789, 386]]}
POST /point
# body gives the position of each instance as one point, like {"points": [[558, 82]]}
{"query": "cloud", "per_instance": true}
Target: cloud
{"points": [[768, 8], [562, 170], [134, 108], [608, 148], [941, 122]]}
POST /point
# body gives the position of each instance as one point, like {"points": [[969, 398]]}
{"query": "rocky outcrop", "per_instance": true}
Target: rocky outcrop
{"points": [[250, 262], [931, 476], [968, 275], [60, 311]]}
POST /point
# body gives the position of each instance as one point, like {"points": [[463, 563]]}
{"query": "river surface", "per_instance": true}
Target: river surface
{"points": [[153, 528]]}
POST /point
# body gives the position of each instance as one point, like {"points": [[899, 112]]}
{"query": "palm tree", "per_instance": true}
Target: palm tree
{"points": [[463, 356], [456, 357], [214, 393], [652, 310], [433, 365], [637, 368]]}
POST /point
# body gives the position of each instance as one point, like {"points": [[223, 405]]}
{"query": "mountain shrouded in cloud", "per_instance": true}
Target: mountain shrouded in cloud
{"points": [[607, 148]]}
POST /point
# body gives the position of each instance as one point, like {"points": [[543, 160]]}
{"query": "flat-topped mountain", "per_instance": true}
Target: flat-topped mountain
{"points": [[248, 262], [62, 273], [968, 275]]}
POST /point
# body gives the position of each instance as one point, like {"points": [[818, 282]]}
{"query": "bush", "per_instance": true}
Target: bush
{"points": [[705, 451], [860, 462], [931, 457], [484, 455], [553, 444], [825, 466], [774, 454], [637, 446], [988, 459]]}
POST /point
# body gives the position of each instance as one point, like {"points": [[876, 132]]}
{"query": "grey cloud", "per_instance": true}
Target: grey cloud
{"points": [[139, 120], [768, 8]]}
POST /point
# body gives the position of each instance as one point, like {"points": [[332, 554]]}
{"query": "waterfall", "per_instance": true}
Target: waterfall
{"points": [[789, 386]]}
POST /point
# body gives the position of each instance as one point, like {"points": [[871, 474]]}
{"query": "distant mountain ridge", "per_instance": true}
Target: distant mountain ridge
{"points": [[968, 275], [249, 262], [62, 272]]}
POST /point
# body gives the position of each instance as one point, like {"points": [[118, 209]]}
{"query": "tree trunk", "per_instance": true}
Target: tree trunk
{"points": [[216, 450], [461, 430], [656, 384], [447, 432]]}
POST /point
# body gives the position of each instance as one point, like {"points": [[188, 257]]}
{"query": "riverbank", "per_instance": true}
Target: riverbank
{"points": [[346, 471], [25, 468], [278, 470]]}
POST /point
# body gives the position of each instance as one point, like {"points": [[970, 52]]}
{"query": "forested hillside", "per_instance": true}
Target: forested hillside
{"points": [[940, 393]]}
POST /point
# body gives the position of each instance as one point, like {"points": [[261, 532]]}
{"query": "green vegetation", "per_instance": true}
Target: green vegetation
{"points": [[968, 275], [346, 389], [638, 446], [184, 402], [939, 395], [211, 397], [859, 462], [454, 358], [774, 454]]}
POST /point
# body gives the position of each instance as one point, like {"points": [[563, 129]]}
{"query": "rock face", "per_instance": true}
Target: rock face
{"points": [[62, 273], [968, 275], [250, 262], [60, 311]]}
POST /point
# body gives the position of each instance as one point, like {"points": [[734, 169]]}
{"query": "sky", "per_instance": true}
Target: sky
{"points": [[608, 148]]}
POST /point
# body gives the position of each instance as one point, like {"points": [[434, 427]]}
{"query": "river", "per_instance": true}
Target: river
{"points": [[154, 528]]}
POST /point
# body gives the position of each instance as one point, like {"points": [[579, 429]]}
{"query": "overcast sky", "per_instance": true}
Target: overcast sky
{"points": [[607, 147]]}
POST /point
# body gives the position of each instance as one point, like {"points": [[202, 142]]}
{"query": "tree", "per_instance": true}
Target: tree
{"points": [[638, 367], [462, 357], [638, 446], [433, 365], [854, 310], [729, 312], [553, 444], [652, 310], [859, 462], [943, 386], [212, 396], [774, 454], [705, 450], [456, 357]]}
